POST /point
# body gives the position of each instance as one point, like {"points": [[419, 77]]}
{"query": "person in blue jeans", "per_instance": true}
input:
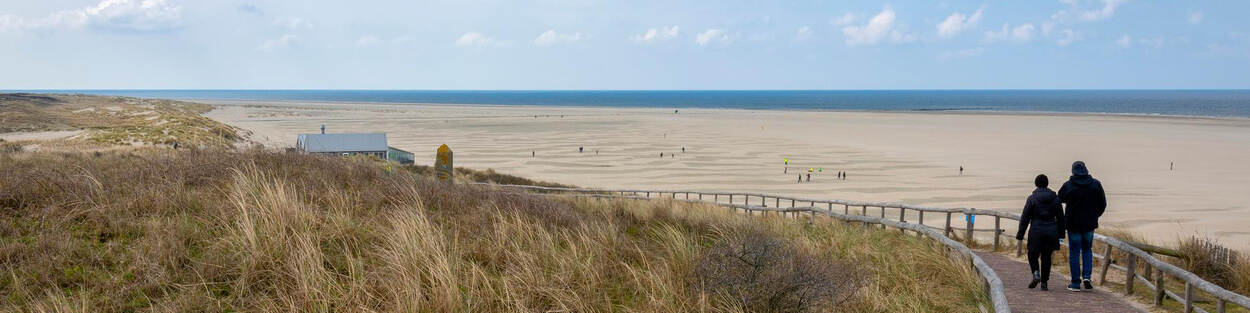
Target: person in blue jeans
{"points": [[1085, 202]]}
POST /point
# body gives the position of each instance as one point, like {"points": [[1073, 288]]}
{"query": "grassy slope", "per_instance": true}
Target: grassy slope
{"points": [[115, 120], [163, 230]]}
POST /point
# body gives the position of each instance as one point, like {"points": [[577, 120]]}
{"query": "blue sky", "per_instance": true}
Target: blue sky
{"points": [[642, 44]]}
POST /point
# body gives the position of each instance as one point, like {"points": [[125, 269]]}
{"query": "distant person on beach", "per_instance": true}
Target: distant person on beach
{"points": [[1086, 202], [800, 178], [961, 170], [1044, 220], [533, 153], [809, 176], [683, 149], [579, 149]]}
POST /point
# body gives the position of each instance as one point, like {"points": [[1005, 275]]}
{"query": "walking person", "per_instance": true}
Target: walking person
{"points": [[1086, 202], [1043, 219]]}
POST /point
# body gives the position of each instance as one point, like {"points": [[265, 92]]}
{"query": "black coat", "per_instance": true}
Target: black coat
{"points": [[1086, 202], [1043, 218]]}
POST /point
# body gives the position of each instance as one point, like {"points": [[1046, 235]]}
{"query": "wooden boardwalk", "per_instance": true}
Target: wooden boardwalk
{"points": [[1016, 277]]}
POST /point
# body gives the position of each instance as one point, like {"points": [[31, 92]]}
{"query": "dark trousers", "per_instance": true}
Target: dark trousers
{"points": [[1045, 257]]}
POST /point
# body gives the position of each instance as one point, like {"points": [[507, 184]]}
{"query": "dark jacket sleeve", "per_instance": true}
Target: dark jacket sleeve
{"points": [[1063, 192], [1025, 217], [1061, 220], [1101, 205]]}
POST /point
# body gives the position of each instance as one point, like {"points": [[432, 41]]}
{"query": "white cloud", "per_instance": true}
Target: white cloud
{"points": [[287, 40], [962, 53], [1124, 41], [1069, 37], [551, 37], [1074, 12], [845, 19], [367, 40], [880, 27], [1194, 17], [476, 39], [712, 35], [803, 33], [107, 15], [958, 22], [1022, 33], [656, 34]]}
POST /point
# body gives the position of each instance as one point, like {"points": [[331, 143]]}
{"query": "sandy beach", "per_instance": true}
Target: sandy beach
{"points": [[889, 156]]}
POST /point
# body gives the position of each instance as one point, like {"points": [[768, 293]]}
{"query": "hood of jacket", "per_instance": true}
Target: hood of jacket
{"points": [[1045, 196], [1081, 179]]}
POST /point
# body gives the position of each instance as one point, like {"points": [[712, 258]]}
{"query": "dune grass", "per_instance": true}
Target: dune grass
{"points": [[108, 120], [215, 231]]}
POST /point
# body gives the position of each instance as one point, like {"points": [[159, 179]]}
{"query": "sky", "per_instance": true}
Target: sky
{"points": [[637, 44]]}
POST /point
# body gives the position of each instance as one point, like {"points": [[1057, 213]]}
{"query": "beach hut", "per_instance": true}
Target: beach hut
{"points": [[370, 144]]}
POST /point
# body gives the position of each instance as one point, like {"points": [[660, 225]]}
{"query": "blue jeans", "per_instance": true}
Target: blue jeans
{"points": [[1080, 255]]}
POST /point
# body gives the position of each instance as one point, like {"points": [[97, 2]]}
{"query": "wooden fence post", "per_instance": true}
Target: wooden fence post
{"points": [[948, 224], [902, 216], [865, 214], [1189, 297], [1130, 274], [996, 232], [1159, 290], [883, 216], [1220, 307], [762, 199], [1106, 265]]}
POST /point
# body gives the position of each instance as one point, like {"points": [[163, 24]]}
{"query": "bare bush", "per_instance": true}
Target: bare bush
{"points": [[763, 273]]}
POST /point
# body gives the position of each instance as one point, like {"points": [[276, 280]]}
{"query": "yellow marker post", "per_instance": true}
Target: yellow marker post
{"points": [[443, 165]]}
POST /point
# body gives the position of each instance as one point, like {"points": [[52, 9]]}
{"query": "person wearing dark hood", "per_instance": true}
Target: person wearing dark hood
{"points": [[1043, 219], [1086, 202]]}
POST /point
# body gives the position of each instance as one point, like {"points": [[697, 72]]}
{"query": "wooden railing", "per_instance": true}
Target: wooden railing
{"points": [[1155, 269]]}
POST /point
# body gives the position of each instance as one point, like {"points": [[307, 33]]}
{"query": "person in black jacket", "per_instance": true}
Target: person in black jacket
{"points": [[1043, 218], [1086, 202]]}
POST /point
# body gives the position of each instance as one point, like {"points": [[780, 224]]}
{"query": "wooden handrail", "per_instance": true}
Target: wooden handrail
{"points": [[1191, 280]]}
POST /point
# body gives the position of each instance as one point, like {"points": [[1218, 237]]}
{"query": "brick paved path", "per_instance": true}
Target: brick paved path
{"points": [[1016, 277]]}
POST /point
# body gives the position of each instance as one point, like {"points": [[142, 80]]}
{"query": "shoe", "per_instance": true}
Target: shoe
{"points": [[1074, 287], [1036, 279], [1044, 287], [1088, 285]]}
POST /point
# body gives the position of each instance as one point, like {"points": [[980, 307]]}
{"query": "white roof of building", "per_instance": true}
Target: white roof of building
{"points": [[342, 142]]}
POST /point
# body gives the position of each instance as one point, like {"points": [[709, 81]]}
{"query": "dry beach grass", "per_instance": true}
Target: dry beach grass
{"points": [[208, 230]]}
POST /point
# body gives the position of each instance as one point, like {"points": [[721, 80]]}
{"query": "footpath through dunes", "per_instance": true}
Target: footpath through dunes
{"points": [[1016, 276], [1140, 268]]}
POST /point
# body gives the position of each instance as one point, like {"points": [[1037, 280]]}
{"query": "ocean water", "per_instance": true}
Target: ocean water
{"points": [[1210, 103]]}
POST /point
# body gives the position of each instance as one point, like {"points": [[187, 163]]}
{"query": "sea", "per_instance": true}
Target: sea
{"points": [[1201, 103]]}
